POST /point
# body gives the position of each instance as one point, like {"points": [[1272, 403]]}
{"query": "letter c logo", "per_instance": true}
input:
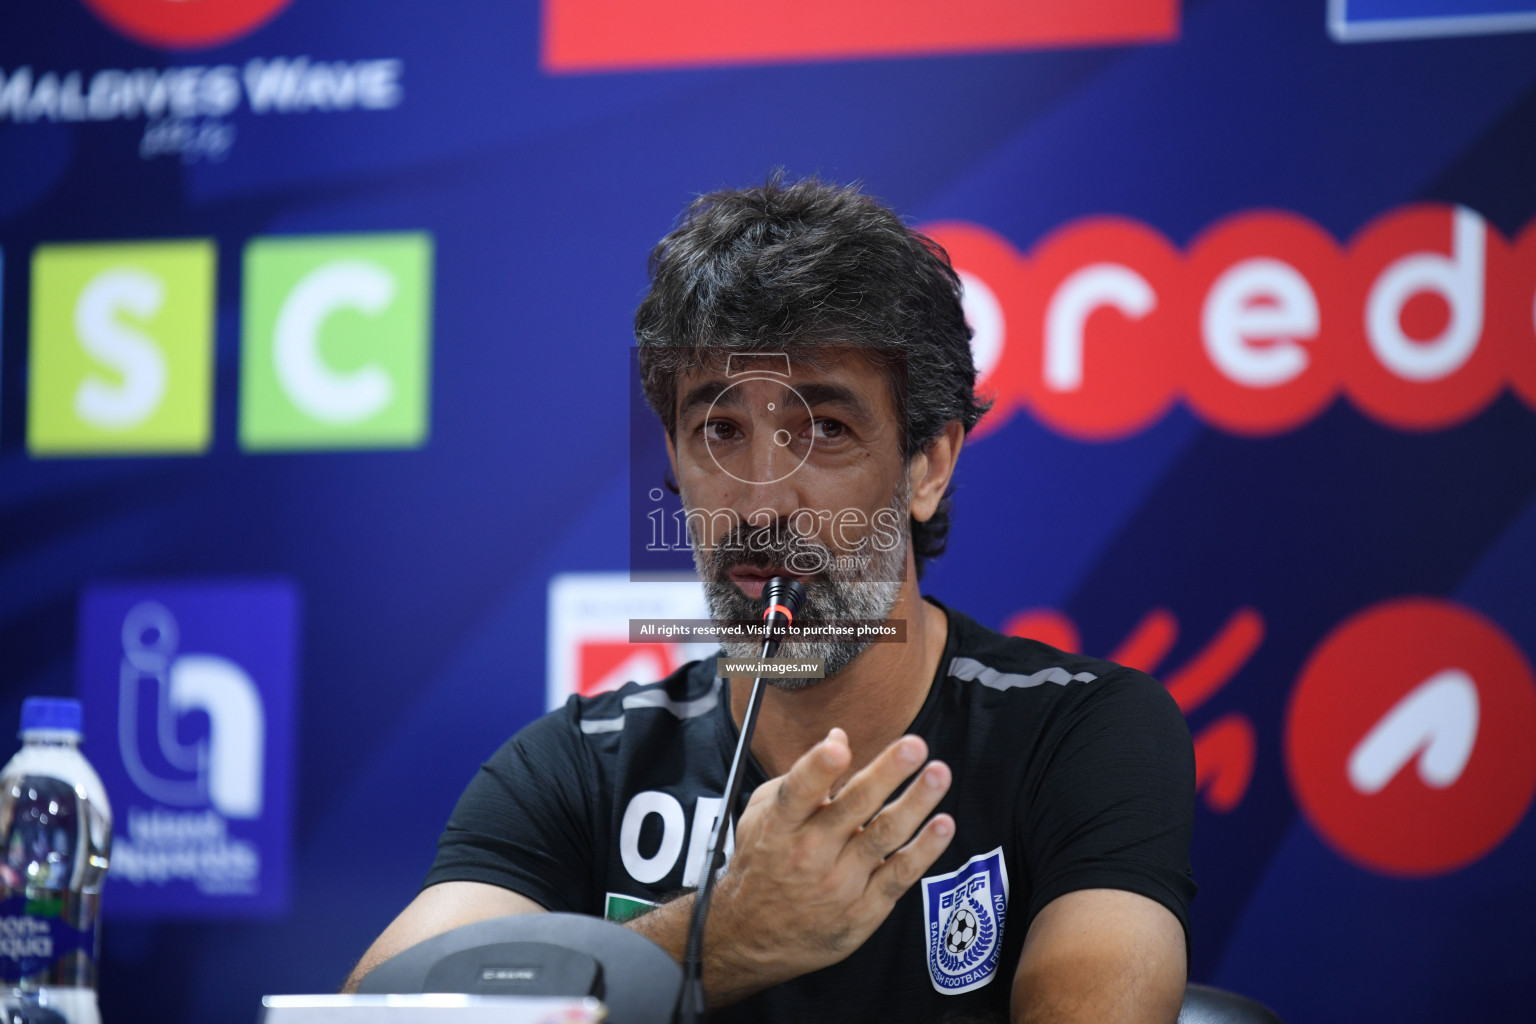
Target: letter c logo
{"points": [[315, 388]]}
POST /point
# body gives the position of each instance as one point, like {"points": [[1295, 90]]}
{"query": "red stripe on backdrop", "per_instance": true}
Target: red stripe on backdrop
{"points": [[611, 35]]}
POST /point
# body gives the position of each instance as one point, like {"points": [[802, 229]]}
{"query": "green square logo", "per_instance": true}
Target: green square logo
{"points": [[121, 356], [336, 342]]}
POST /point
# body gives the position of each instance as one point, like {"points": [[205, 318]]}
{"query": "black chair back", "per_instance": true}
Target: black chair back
{"points": [[1206, 1005]]}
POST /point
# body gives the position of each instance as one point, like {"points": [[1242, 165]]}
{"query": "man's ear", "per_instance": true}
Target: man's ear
{"points": [[930, 471]]}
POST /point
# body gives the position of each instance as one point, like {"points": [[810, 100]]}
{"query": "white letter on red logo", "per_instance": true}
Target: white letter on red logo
{"points": [[1457, 278], [1263, 300], [1094, 287]]}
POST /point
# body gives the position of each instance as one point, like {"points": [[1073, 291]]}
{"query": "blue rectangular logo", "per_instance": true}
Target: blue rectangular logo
{"points": [[188, 691], [1354, 21]]}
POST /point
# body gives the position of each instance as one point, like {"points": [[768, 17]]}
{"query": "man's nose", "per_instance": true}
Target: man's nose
{"points": [[768, 491]]}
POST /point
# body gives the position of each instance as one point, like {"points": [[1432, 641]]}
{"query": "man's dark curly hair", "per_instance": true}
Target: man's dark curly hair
{"points": [[779, 267]]}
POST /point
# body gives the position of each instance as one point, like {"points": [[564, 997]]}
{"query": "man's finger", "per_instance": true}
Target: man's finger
{"points": [[907, 864], [804, 788], [896, 822], [867, 791]]}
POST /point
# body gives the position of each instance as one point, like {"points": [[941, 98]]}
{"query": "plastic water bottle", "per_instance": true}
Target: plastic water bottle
{"points": [[55, 838]]}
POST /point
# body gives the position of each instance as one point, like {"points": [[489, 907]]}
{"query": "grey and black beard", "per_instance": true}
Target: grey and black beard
{"points": [[838, 593]]}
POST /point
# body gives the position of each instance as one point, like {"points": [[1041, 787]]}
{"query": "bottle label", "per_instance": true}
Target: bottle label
{"points": [[34, 936]]}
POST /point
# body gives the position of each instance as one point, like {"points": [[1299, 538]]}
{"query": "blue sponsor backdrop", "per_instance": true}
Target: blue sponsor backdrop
{"points": [[423, 572]]}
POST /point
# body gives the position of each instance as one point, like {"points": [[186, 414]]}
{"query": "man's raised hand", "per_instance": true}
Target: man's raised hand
{"points": [[814, 873]]}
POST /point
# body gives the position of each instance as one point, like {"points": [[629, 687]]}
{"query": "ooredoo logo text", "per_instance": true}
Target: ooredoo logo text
{"points": [[1260, 323], [186, 24]]}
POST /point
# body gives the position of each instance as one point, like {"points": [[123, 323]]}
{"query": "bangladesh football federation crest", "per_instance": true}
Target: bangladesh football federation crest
{"points": [[964, 911]]}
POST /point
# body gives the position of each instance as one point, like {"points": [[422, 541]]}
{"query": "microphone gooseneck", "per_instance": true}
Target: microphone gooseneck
{"points": [[782, 600]]}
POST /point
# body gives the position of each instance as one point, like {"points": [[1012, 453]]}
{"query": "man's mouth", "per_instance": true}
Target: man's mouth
{"points": [[752, 580]]}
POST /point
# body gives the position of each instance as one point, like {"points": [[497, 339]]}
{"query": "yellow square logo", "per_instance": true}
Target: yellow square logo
{"points": [[121, 357]]}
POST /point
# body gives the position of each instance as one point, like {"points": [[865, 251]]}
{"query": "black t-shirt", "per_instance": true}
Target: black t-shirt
{"points": [[1069, 773]]}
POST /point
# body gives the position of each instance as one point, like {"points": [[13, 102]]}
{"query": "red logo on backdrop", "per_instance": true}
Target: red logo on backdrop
{"points": [[1259, 326], [186, 24], [1408, 738], [604, 666], [599, 35]]}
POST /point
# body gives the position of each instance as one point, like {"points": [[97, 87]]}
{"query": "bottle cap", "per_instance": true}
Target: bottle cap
{"points": [[59, 713]]}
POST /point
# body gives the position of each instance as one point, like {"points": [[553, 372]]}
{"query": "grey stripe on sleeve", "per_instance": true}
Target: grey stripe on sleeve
{"points": [[970, 669], [657, 698]]}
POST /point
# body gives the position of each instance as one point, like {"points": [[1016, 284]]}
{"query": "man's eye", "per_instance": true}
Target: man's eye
{"points": [[720, 430], [829, 430]]}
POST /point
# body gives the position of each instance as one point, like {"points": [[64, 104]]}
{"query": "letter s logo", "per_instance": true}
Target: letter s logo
{"points": [[139, 361]]}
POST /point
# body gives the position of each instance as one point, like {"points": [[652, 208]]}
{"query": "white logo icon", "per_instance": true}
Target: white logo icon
{"points": [[1437, 719], [225, 769]]}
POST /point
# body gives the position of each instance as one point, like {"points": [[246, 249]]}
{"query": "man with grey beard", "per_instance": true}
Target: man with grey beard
{"points": [[858, 586], [960, 825]]}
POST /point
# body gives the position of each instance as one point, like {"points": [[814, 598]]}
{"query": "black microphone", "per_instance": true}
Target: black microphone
{"points": [[782, 600]]}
